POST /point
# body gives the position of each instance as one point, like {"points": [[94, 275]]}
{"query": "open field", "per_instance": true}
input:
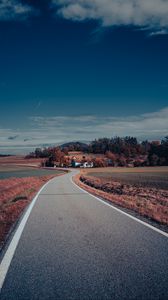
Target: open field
{"points": [[142, 190], [163, 169], [154, 177], [17, 166], [20, 160], [21, 172]]}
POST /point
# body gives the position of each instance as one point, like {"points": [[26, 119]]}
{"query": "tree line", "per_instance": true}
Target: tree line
{"points": [[116, 151]]}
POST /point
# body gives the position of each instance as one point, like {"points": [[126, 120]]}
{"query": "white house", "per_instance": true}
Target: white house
{"points": [[87, 165]]}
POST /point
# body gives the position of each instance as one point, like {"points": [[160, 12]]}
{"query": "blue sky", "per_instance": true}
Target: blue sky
{"points": [[79, 70]]}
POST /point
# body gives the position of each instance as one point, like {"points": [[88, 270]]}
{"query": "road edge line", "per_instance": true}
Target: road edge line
{"points": [[122, 212], [7, 258]]}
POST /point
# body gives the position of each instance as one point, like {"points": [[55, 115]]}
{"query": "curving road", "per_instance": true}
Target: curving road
{"points": [[74, 246]]}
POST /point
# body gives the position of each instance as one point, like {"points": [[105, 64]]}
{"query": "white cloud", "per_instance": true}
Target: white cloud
{"points": [[151, 125], [159, 32], [58, 129], [14, 9], [151, 14]]}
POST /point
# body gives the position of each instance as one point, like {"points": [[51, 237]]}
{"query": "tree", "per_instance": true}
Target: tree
{"points": [[153, 160], [38, 152], [99, 162], [122, 162], [49, 162]]}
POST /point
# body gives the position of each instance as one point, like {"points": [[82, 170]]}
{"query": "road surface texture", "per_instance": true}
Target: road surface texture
{"points": [[75, 247]]}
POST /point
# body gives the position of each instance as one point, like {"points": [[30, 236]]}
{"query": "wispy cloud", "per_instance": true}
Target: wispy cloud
{"points": [[14, 9], [159, 32], [43, 131], [12, 137], [151, 125], [149, 14]]}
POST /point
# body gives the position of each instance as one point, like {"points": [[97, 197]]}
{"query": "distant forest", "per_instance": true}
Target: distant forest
{"points": [[116, 151]]}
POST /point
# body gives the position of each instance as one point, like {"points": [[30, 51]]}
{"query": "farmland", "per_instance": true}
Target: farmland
{"points": [[19, 160], [18, 166], [156, 177], [141, 190], [20, 172]]}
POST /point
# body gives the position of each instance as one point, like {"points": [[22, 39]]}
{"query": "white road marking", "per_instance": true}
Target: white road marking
{"points": [[6, 261], [121, 211]]}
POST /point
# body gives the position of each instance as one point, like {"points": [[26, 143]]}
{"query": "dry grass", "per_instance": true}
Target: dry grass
{"points": [[143, 170], [10, 161], [148, 202], [13, 168], [15, 195]]}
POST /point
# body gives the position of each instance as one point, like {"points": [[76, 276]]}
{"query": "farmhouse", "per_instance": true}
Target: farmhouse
{"points": [[87, 165]]}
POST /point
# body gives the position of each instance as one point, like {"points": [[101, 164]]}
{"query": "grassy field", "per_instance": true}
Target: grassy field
{"points": [[19, 160], [20, 172], [142, 190], [19, 167], [154, 177]]}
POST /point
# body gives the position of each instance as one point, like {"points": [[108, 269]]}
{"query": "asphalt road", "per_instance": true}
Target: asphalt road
{"points": [[75, 247]]}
